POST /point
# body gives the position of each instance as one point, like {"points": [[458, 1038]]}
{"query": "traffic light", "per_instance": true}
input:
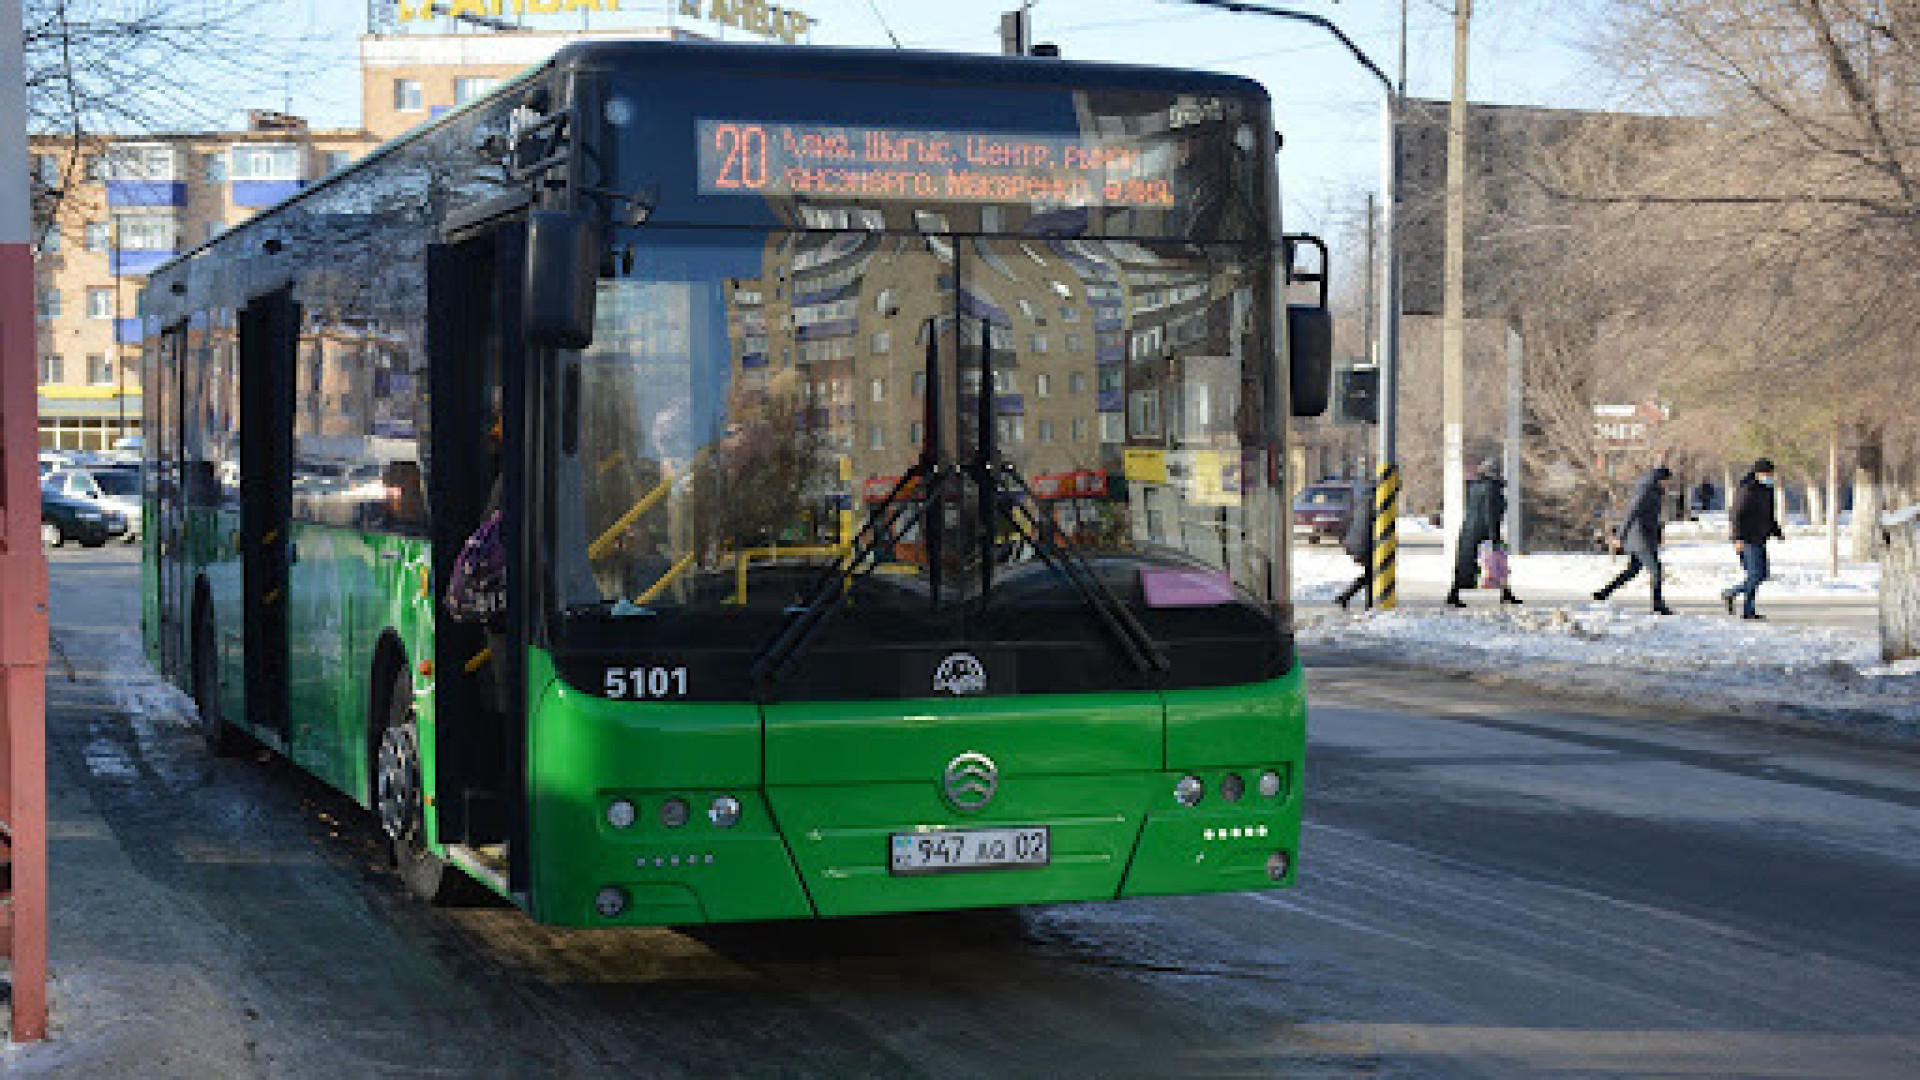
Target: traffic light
{"points": [[1358, 394]]}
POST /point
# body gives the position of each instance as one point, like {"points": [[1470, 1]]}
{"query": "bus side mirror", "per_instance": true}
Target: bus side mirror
{"points": [[1310, 358], [563, 272]]}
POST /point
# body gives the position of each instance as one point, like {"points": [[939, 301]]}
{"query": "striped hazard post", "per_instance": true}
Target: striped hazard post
{"points": [[1386, 543]]}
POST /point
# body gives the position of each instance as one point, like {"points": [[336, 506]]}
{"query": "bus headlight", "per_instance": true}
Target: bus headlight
{"points": [[610, 902], [673, 813], [1190, 790], [620, 814], [724, 811], [1269, 784], [1233, 787]]}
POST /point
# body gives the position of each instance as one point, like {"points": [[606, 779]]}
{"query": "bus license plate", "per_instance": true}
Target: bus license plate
{"points": [[973, 849]]}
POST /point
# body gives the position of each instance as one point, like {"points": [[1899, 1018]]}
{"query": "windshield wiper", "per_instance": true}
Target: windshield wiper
{"points": [[930, 477], [989, 470]]}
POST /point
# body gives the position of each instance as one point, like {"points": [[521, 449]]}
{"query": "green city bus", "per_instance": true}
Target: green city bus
{"points": [[886, 457]]}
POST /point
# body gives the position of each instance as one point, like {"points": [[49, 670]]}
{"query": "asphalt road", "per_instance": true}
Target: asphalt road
{"points": [[1493, 885]]}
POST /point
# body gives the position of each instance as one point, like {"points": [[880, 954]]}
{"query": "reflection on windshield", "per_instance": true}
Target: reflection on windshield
{"points": [[751, 401]]}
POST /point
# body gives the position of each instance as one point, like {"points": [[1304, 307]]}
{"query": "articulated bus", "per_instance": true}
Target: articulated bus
{"points": [[885, 452]]}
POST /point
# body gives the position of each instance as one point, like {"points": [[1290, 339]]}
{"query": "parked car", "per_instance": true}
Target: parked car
{"points": [[63, 519], [115, 489], [1323, 511]]}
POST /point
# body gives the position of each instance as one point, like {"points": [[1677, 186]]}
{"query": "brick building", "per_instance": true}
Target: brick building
{"points": [[110, 209]]}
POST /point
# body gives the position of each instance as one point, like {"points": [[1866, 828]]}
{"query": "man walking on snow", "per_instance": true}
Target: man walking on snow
{"points": [[1753, 523], [1639, 536]]}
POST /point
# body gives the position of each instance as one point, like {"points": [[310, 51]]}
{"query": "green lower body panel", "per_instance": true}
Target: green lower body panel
{"points": [[615, 844]]}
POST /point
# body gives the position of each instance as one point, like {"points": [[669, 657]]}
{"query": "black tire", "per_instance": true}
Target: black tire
{"points": [[102, 542], [220, 737], [399, 803]]}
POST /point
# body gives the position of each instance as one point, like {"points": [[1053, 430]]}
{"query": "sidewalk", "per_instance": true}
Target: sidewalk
{"points": [[1815, 661]]}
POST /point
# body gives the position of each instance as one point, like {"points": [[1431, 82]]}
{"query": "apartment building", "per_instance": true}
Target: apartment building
{"points": [[111, 209]]}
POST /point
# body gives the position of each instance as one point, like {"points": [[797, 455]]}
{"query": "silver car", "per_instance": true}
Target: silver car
{"points": [[116, 491]]}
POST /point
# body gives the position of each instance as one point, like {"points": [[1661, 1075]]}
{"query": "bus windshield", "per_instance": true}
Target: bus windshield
{"points": [[753, 401]]}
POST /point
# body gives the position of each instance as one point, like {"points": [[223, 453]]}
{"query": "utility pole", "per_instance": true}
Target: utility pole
{"points": [[23, 567], [1453, 388]]}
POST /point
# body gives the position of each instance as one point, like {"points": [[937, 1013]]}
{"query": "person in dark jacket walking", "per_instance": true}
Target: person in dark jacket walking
{"points": [[1359, 543], [1639, 537], [1486, 510], [1752, 521]]}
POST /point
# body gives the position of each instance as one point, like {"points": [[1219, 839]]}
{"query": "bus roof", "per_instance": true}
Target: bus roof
{"points": [[720, 59]]}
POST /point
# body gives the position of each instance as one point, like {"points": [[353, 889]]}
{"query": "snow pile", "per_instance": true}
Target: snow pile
{"points": [[1694, 570], [1705, 662]]}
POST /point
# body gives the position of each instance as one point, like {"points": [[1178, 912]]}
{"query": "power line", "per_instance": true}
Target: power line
{"points": [[874, 6]]}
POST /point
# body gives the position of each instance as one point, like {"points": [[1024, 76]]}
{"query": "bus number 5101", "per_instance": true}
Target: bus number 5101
{"points": [[743, 155], [646, 682]]}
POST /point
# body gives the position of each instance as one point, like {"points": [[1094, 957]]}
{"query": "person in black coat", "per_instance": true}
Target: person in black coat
{"points": [[1359, 543], [1639, 537], [1486, 511], [1752, 521]]}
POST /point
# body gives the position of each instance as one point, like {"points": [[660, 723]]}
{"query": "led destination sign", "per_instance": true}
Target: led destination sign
{"points": [[872, 163]]}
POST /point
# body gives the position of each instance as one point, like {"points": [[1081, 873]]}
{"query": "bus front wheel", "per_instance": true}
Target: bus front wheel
{"points": [[400, 800]]}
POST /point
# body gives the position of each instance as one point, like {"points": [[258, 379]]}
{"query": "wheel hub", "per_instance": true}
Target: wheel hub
{"points": [[397, 780]]}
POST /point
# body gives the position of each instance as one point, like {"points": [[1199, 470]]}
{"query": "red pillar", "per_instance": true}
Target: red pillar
{"points": [[23, 567]]}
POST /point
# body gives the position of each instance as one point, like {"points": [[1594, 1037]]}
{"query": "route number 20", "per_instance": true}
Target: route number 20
{"points": [[646, 682]]}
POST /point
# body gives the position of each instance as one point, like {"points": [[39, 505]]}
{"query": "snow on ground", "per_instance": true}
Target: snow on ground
{"points": [[1696, 568], [1785, 670]]}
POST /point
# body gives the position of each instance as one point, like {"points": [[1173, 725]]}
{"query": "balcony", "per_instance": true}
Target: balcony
{"points": [[126, 263], [263, 192], [131, 193]]}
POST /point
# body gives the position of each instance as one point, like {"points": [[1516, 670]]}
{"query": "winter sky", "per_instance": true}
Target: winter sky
{"points": [[1525, 52]]}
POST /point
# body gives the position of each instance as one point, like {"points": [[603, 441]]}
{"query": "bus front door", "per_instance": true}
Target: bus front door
{"points": [[269, 339]]}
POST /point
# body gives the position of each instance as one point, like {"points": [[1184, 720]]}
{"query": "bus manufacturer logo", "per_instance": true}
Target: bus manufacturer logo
{"points": [[970, 781], [961, 674]]}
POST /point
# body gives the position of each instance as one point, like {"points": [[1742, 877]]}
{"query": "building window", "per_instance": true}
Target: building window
{"points": [[95, 167], [99, 371], [46, 170], [1043, 384], [876, 438], [1146, 413], [1075, 343], [407, 96], [149, 232], [1079, 429], [913, 433], [879, 390], [1046, 432], [919, 385], [142, 163], [214, 168], [1077, 383], [1004, 382], [465, 90], [264, 162], [1070, 314], [96, 236], [1012, 429], [50, 239], [52, 370], [99, 303], [337, 161], [1039, 343], [49, 304], [882, 342], [1113, 427]]}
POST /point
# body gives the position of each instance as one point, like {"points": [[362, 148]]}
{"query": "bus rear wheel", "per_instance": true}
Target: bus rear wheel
{"points": [[400, 800]]}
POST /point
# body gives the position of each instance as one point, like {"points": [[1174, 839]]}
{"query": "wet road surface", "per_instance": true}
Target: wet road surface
{"points": [[1494, 885]]}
